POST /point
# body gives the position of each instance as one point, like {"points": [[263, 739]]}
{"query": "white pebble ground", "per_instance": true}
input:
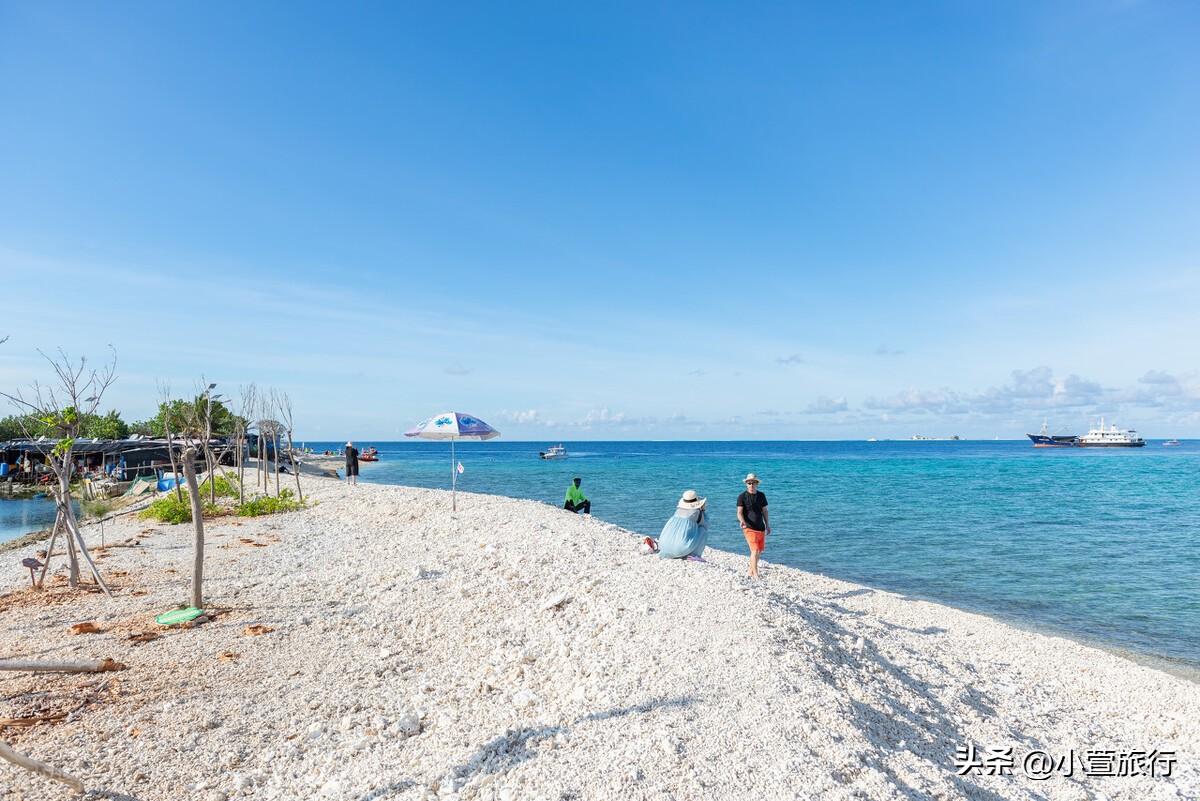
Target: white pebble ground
{"points": [[516, 651]]}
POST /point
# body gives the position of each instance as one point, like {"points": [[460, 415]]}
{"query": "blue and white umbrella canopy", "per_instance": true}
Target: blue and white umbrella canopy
{"points": [[453, 426]]}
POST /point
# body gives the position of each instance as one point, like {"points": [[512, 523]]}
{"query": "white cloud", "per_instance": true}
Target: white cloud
{"points": [[525, 417], [824, 405]]}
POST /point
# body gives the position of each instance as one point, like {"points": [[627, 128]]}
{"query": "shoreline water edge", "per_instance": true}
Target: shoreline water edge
{"points": [[378, 646]]}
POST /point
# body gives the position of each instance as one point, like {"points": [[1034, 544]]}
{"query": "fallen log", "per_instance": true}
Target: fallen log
{"points": [[40, 768], [90, 666]]}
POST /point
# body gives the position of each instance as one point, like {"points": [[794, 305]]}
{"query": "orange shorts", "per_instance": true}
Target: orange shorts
{"points": [[756, 539]]}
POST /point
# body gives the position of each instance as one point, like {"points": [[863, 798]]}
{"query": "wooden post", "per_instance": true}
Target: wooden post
{"points": [[50, 548], [64, 505], [73, 528], [85, 666], [40, 768], [189, 474]]}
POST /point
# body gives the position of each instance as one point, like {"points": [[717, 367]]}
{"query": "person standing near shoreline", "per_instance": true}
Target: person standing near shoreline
{"points": [[351, 463], [752, 514]]}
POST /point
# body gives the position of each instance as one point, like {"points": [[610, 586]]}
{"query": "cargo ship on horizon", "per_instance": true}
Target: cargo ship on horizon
{"points": [[1044, 439], [1096, 437]]}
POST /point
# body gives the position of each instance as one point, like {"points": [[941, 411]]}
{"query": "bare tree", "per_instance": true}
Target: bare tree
{"points": [[284, 403], [62, 408], [189, 473], [247, 396], [164, 393]]}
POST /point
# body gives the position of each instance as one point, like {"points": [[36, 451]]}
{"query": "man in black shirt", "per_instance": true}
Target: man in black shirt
{"points": [[351, 463], [752, 514]]}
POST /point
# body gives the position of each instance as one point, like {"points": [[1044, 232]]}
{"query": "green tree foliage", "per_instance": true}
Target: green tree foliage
{"points": [[10, 427], [186, 418], [98, 426], [107, 426]]}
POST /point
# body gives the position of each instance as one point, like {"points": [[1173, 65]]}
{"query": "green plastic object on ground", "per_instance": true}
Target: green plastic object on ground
{"points": [[177, 616]]}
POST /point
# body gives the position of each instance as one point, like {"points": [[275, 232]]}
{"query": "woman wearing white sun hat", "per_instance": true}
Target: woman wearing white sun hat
{"points": [[686, 533]]}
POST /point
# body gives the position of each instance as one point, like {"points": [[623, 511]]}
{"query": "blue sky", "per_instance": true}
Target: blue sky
{"points": [[612, 221]]}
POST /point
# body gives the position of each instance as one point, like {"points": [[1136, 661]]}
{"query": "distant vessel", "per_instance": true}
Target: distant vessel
{"points": [[369, 455], [872, 439], [1111, 437], [919, 438], [1044, 439], [1171, 443], [554, 452]]}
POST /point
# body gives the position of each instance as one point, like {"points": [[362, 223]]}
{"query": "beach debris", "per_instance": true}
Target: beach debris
{"points": [[229, 656], [40, 768], [89, 666], [556, 601], [32, 564], [32, 720], [408, 724], [256, 629], [180, 615], [141, 637], [87, 627]]}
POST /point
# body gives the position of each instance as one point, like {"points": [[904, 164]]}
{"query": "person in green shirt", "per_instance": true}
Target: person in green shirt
{"points": [[576, 500]]}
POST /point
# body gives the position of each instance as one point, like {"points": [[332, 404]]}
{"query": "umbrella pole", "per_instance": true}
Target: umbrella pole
{"points": [[453, 480]]}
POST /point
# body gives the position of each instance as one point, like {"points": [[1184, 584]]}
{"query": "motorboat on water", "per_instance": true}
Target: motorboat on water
{"points": [[369, 455], [554, 452], [1171, 443], [1111, 437]]}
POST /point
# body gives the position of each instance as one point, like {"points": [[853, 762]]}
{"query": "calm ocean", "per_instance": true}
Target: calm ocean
{"points": [[1100, 545]]}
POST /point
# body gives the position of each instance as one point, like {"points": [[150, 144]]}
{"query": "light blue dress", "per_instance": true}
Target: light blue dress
{"points": [[685, 534]]}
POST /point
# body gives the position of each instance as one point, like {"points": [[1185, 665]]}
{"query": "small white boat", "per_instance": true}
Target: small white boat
{"points": [[554, 452], [1171, 443]]}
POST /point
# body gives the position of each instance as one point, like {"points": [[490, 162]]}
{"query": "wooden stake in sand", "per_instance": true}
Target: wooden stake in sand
{"points": [[40, 768], [189, 475]]}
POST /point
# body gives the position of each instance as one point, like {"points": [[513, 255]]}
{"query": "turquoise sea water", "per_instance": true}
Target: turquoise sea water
{"points": [[1101, 545], [21, 516]]}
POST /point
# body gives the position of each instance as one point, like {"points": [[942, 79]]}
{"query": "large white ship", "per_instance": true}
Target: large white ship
{"points": [[1111, 437]]}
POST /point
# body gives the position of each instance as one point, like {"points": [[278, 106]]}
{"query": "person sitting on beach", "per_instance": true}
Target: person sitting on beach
{"points": [[351, 463], [576, 500], [686, 533]]}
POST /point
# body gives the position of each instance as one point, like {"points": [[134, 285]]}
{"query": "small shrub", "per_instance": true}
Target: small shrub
{"points": [[226, 487], [97, 508], [266, 505], [170, 509]]}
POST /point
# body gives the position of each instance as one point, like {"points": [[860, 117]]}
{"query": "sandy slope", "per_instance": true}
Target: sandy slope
{"points": [[515, 651]]}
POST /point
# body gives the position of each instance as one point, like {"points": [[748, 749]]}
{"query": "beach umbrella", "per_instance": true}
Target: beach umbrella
{"points": [[452, 426]]}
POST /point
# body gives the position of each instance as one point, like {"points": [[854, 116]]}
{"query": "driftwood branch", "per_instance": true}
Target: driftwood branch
{"points": [[87, 666], [40, 768]]}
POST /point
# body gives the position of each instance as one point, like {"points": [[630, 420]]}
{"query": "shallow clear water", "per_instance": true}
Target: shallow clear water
{"points": [[1103, 545], [21, 516]]}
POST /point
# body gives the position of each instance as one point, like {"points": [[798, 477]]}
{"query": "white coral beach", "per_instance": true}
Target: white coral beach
{"points": [[516, 651]]}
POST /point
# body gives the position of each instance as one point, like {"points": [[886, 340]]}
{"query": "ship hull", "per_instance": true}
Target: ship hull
{"points": [[1112, 444], [1048, 441]]}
